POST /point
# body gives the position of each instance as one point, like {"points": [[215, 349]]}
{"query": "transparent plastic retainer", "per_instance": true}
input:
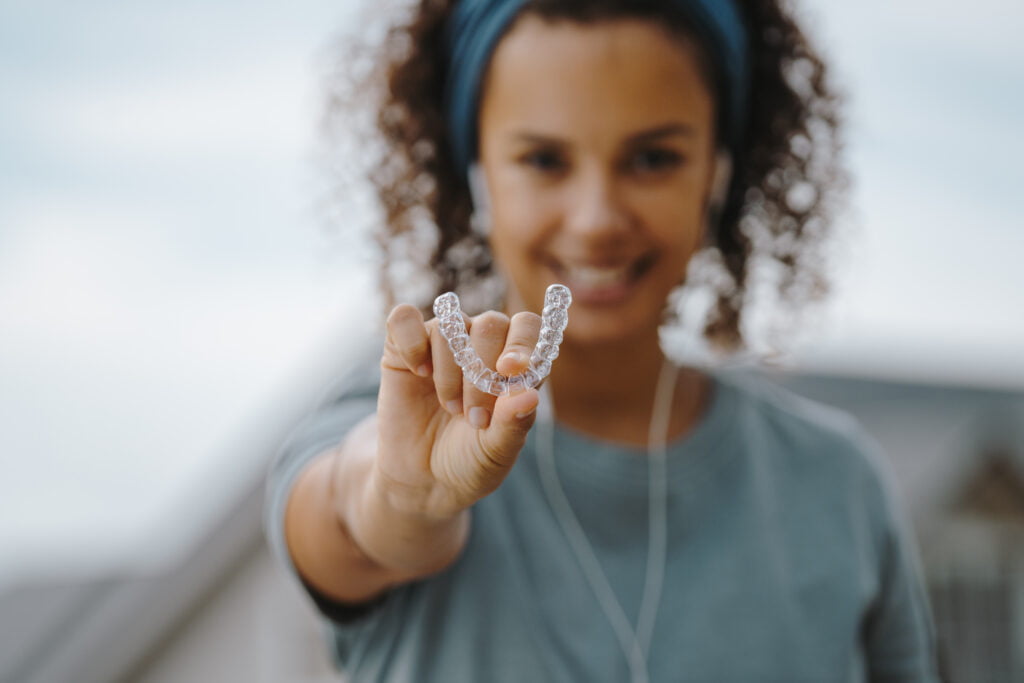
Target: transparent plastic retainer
{"points": [[554, 318]]}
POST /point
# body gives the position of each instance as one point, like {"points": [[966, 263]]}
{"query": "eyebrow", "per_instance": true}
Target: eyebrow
{"points": [[667, 130]]}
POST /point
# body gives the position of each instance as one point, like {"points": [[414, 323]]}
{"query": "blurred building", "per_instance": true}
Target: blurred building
{"points": [[228, 613], [958, 456]]}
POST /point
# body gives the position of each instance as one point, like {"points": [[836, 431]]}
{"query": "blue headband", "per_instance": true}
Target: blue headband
{"points": [[476, 26]]}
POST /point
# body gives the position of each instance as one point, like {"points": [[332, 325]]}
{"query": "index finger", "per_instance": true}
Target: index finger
{"points": [[447, 373], [407, 339]]}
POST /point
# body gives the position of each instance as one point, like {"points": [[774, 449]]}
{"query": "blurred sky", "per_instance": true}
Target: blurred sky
{"points": [[163, 281]]}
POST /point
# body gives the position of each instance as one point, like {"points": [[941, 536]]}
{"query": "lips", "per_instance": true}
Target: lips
{"points": [[603, 284]]}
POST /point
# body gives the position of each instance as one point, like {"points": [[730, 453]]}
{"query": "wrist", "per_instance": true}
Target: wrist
{"points": [[398, 527], [427, 505]]}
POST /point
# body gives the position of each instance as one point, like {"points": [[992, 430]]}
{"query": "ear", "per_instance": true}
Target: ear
{"points": [[720, 180]]}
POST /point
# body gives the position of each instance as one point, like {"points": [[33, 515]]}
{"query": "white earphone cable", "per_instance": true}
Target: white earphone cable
{"points": [[636, 643]]}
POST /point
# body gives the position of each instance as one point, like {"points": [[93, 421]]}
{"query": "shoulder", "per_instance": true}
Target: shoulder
{"points": [[807, 439], [787, 415]]}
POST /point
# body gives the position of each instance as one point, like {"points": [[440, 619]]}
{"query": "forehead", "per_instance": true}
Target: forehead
{"points": [[564, 76]]}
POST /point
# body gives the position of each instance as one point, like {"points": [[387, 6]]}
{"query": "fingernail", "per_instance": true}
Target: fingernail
{"points": [[423, 370], [479, 417], [513, 356], [528, 413], [454, 406]]}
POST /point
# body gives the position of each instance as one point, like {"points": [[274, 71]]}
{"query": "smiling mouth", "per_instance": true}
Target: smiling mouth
{"points": [[603, 284]]}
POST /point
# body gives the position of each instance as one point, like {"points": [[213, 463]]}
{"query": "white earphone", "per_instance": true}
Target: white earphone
{"points": [[478, 186], [480, 220], [720, 180]]}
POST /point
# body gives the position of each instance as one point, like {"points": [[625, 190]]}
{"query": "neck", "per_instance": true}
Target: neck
{"points": [[607, 390]]}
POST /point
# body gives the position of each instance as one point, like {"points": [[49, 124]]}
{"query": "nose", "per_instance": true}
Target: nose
{"points": [[596, 208]]}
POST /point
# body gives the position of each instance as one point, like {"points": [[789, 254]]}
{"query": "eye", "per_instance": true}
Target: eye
{"points": [[544, 160], [655, 160]]}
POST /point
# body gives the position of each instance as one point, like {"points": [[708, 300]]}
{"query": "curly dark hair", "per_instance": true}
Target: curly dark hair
{"points": [[773, 227]]}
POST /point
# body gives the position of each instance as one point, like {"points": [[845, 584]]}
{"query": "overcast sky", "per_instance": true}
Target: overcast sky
{"points": [[164, 287]]}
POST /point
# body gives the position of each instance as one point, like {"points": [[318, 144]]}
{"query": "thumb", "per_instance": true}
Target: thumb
{"points": [[512, 419]]}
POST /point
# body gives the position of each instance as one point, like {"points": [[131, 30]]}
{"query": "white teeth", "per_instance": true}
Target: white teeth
{"points": [[591, 276]]}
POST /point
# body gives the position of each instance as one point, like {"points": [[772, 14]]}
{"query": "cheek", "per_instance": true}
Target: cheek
{"points": [[678, 221], [520, 219], [512, 238]]}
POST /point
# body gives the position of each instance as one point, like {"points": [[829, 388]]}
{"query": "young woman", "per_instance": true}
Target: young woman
{"points": [[655, 522]]}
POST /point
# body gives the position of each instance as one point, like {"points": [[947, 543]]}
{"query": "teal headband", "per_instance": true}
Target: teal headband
{"points": [[476, 26]]}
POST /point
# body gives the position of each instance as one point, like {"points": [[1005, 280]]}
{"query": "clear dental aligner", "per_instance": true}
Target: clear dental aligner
{"points": [[554, 318]]}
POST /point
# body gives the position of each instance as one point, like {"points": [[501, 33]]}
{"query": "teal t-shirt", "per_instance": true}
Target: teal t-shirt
{"points": [[787, 560]]}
